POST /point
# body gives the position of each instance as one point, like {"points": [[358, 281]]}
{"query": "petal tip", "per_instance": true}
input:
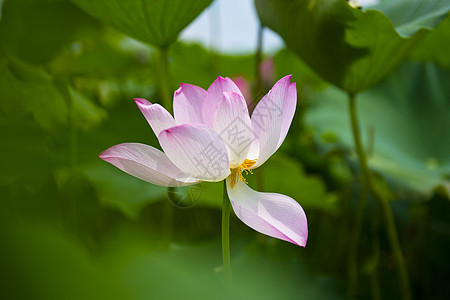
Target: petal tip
{"points": [[178, 91], [221, 79], [141, 101], [302, 243], [108, 153], [104, 156]]}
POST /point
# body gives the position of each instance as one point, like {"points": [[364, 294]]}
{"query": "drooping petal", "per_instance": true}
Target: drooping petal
{"points": [[187, 104], [272, 118], [196, 149], [275, 215], [157, 116], [232, 123], [146, 163], [214, 95]]}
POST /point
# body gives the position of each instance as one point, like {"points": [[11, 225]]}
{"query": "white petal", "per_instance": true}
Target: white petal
{"points": [[275, 215], [146, 163], [196, 149], [232, 123], [187, 104], [156, 115]]}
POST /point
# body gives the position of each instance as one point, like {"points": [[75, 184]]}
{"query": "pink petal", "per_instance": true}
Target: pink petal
{"points": [[214, 95], [196, 149], [146, 163], [187, 104], [232, 123], [272, 118], [157, 116], [275, 215]]}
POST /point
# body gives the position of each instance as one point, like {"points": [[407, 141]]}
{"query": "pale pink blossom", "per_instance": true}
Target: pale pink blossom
{"points": [[211, 138], [267, 71], [245, 87]]}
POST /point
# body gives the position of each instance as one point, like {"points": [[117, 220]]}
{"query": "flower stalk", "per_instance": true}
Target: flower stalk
{"points": [[226, 209], [164, 91], [367, 183]]}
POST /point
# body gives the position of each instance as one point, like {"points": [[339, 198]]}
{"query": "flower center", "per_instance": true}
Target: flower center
{"points": [[236, 173]]}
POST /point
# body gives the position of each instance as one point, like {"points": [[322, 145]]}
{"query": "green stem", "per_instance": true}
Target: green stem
{"points": [[374, 281], [164, 91], [226, 209], [395, 243], [354, 242], [168, 218], [358, 144], [361, 206], [390, 222], [163, 78]]}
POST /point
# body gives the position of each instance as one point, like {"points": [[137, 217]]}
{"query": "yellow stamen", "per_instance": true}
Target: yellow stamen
{"points": [[236, 173]]}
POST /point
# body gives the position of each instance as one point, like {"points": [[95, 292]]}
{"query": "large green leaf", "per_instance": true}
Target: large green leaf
{"points": [[436, 46], [404, 122], [348, 47], [36, 30], [157, 22], [410, 16]]}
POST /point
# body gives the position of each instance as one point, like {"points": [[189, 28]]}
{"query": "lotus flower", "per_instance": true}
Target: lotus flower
{"points": [[212, 138]]}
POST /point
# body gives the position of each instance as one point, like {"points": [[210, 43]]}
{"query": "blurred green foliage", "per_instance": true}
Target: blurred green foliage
{"points": [[350, 48], [74, 227]]}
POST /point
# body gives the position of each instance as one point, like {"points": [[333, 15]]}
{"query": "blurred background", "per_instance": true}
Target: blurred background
{"points": [[75, 227]]}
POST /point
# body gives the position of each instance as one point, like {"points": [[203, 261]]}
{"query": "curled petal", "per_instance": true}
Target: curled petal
{"points": [[187, 104], [197, 150], [214, 94], [272, 118], [275, 215], [146, 163], [157, 116], [232, 123]]}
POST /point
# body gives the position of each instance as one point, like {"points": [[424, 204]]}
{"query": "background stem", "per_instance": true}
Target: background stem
{"points": [[390, 222], [258, 88], [352, 257], [163, 78], [361, 206]]}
